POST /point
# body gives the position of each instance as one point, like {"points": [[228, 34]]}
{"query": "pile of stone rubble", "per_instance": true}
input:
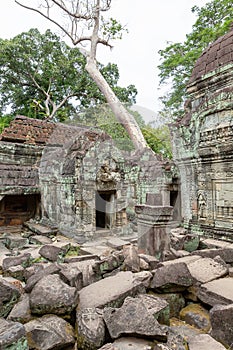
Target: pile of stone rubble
{"points": [[57, 294]]}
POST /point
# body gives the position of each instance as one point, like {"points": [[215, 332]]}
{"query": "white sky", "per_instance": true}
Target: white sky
{"points": [[151, 23]]}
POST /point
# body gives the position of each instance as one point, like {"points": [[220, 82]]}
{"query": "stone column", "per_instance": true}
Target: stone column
{"points": [[153, 236]]}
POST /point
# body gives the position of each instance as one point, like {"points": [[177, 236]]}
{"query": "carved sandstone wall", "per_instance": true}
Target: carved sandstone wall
{"points": [[203, 143]]}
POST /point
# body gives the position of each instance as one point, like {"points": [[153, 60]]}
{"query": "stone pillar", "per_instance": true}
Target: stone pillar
{"points": [[153, 236]]}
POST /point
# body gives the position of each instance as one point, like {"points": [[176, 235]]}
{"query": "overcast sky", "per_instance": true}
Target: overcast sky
{"points": [[151, 23]]}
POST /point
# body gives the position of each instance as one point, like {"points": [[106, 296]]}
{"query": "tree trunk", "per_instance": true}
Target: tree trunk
{"points": [[120, 112]]}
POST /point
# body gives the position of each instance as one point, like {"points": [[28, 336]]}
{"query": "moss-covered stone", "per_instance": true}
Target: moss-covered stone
{"points": [[197, 316]]}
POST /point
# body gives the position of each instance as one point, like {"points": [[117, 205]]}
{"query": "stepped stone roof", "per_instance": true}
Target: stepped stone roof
{"points": [[216, 55], [40, 132]]}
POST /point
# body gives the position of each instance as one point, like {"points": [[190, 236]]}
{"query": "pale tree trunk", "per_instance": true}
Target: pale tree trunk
{"points": [[120, 112]]}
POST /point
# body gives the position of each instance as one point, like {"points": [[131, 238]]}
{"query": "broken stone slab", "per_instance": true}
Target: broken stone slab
{"points": [[204, 342], [133, 318], [40, 229], [143, 264], [109, 263], [205, 270], [49, 332], [90, 328], [172, 278], [222, 324], [71, 275], [9, 295], [99, 250], [116, 243], [185, 259], [196, 315], [150, 260], [15, 242], [131, 258], [176, 302], [21, 311], [129, 343], [90, 270], [12, 335], [40, 272], [219, 291], [110, 291], [4, 253], [52, 295], [214, 243], [40, 240], [156, 306], [34, 252], [22, 259], [225, 253], [53, 252], [15, 272], [71, 259], [144, 277]]}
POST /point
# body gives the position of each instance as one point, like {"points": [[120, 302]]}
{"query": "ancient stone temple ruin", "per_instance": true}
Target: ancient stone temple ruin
{"points": [[77, 179], [203, 147]]}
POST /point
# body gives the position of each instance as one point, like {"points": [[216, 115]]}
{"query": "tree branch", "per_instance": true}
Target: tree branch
{"points": [[47, 17]]}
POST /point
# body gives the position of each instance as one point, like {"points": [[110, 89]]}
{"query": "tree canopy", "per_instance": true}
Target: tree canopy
{"points": [[42, 77], [178, 59], [85, 21]]}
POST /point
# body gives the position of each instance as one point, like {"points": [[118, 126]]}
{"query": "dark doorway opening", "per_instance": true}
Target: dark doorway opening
{"points": [[175, 203], [16, 209], [105, 209]]}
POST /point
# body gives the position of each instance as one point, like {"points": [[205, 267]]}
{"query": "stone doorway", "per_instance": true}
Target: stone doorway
{"points": [[105, 209]]}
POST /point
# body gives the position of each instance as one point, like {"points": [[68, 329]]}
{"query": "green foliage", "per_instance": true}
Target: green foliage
{"points": [[102, 117], [178, 59], [39, 71], [4, 122], [112, 29], [159, 140]]}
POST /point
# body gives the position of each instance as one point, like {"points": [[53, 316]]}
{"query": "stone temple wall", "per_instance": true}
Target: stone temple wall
{"points": [[85, 184], [203, 143]]}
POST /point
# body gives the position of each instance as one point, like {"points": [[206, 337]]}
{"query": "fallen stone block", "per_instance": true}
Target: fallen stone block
{"points": [[131, 258], [9, 294], [39, 274], [204, 342], [219, 291], [52, 252], [40, 229], [52, 295], [22, 259], [225, 253], [222, 324], [130, 343], [172, 278], [90, 328], [110, 291], [49, 332], [205, 270], [134, 318], [15, 241], [176, 302], [116, 243], [90, 270], [197, 316], [12, 335], [21, 311], [71, 275], [15, 272], [40, 240], [151, 260]]}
